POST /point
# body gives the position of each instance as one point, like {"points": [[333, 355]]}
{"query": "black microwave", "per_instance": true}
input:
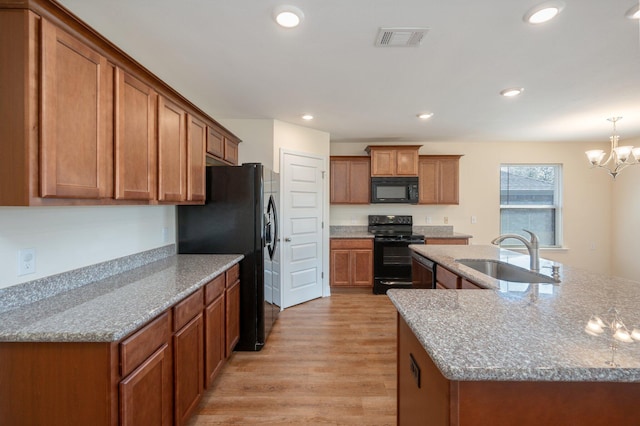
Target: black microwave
{"points": [[394, 190]]}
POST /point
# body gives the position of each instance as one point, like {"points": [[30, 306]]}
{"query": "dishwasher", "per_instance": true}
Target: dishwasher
{"points": [[423, 272]]}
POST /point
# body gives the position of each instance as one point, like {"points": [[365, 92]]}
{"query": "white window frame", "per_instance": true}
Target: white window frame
{"points": [[558, 203]]}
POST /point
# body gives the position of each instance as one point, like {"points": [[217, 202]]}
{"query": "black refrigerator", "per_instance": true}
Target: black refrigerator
{"points": [[240, 217]]}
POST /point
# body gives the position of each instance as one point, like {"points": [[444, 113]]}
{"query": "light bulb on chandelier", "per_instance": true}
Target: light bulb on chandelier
{"points": [[619, 157]]}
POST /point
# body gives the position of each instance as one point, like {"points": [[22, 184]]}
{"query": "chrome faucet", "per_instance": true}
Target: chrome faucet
{"points": [[532, 246]]}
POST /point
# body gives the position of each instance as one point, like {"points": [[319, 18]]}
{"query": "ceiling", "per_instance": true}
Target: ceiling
{"points": [[233, 61]]}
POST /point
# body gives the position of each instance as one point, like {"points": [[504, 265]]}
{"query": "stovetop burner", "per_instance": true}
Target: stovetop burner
{"points": [[392, 226]]}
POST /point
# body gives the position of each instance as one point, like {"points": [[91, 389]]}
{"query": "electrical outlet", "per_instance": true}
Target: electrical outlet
{"points": [[474, 219], [429, 220], [26, 261], [446, 220]]}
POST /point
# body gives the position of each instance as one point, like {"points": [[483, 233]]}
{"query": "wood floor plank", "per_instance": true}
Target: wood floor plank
{"points": [[331, 361]]}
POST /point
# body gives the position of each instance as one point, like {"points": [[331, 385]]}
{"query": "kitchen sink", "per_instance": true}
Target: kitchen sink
{"points": [[505, 271]]}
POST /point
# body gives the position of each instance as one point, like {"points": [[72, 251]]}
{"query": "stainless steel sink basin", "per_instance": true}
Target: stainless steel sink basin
{"points": [[505, 271]]}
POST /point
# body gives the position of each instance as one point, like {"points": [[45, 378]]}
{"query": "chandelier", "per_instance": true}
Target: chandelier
{"points": [[619, 157]]}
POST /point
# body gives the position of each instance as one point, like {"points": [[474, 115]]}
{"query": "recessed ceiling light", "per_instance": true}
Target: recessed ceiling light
{"points": [[288, 16], [634, 12], [511, 92], [543, 12], [307, 117], [424, 115]]}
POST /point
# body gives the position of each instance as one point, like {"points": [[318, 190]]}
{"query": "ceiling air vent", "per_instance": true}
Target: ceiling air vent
{"points": [[400, 37]]}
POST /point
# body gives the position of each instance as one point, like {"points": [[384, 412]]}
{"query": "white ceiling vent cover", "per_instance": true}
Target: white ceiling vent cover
{"points": [[400, 37]]}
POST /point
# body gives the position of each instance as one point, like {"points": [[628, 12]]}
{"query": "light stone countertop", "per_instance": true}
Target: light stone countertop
{"points": [[517, 331], [110, 309], [337, 231]]}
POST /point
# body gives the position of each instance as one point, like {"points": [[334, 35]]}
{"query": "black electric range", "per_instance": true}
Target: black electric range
{"points": [[391, 253]]}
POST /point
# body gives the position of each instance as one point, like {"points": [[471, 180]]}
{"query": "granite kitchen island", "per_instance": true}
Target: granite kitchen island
{"points": [[514, 353]]}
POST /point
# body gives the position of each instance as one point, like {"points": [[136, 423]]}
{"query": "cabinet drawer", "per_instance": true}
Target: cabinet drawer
{"points": [[468, 285], [144, 342], [233, 274], [184, 311], [447, 241], [447, 278], [213, 289], [347, 243]]}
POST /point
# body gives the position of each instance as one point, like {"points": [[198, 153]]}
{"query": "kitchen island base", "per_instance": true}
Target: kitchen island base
{"points": [[426, 397]]}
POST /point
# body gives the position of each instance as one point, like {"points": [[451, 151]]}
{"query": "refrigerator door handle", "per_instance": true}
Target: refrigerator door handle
{"points": [[272, 211]]}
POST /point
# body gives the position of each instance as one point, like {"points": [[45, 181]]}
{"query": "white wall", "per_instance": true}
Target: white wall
{"points": [[587, 195], [67, 238], [626, 221], [257, 140]]}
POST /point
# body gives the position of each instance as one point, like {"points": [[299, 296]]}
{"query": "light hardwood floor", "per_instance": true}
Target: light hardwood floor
{"points": [[330, 361]]}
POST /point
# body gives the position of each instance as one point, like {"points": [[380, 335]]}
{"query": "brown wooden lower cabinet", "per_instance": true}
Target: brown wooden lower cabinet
{"points": [[447, 241], [188, 368], [214, 329], [145, 394], [351, 262], [232, 300], [188, 359], [154, 376], [446, 279], [426, 397]]}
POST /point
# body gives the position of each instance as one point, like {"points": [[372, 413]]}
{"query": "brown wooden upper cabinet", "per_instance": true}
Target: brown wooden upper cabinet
{"points": [[83, 123], [75, 103], [196, 148], [439, 179], [350, 180], [221, 147], [135, 138], [393, 160], [172, 151]]}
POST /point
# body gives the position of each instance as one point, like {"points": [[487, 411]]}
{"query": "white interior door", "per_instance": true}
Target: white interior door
{"points": [[302, 212]]}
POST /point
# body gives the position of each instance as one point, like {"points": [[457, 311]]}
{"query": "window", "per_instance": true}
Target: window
{"points": [[530, 199]]}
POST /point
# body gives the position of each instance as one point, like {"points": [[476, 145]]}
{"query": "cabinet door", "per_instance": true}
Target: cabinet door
{"points": [[428, 181], [350, 180], [383, 162], [230, 151], [423, 393], [340, 268], [232, 300], [188, 368], [75, 113], [172, 151], [449, 175], [215, 143], [135, 138], [360, 181], [214, 339], [362, 268], [339, 176], [407, 162], [145, 395], [196, 159]]}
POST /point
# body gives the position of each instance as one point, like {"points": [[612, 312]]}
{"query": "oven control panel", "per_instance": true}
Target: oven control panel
{"points": [[390, 220]]}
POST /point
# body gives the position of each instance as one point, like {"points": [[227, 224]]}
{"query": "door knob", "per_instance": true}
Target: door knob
{"points": [[287, 239]]}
